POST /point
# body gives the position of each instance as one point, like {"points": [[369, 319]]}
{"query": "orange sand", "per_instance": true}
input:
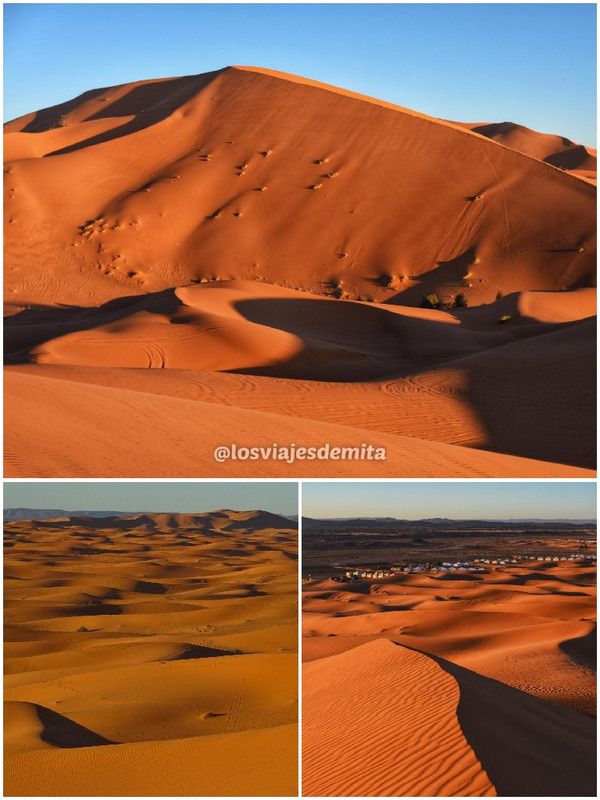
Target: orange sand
{"points": [[137, 645], [425, 685], [120, 202]]}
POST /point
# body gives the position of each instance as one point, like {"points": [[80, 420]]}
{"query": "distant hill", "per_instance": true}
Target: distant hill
{"points": [[17, 514], [223, 519], [389, 523]]}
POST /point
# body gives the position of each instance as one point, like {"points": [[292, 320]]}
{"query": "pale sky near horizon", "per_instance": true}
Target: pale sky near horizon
{"points": [[166, 496], [534, 64], [452, 500]]}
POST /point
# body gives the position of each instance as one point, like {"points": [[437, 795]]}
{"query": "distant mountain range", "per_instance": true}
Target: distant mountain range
{"points": [[362, 523], [18, 514], [25, 514]]}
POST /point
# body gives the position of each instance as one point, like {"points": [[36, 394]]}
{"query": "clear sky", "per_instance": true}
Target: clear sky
{"points": [[527, 63], [279, 498], [460, 500]]}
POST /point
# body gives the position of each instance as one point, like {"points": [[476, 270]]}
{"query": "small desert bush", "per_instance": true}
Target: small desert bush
{"points": [[431, 301], [504, 319], [460, 301], [83, 629]]}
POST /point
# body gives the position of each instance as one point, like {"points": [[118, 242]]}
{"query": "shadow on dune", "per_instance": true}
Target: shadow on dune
{"points": [[444, 273], [148, 104], [529, 385], [530, 577], [582, 650], [35, 326], [91, 609], [354, 342], [538, 400], [195, 651], [573, 158], [528, 746], [60, 731]]}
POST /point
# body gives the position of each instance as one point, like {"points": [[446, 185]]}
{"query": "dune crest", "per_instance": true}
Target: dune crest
{"points": [[247, 222], [365, 735], [134, 644]]}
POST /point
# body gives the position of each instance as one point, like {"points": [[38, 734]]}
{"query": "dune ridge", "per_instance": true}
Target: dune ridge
{"points": [[496, 671], [247, 222], [366, 736], [133, 644]]}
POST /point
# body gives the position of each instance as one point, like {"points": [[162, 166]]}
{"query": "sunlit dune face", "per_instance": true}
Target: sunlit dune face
{"points": [[164, 637]]}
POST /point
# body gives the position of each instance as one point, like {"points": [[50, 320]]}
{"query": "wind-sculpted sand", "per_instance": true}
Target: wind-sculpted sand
{"points": [[153, 655], [428, 685], [245, 251]]}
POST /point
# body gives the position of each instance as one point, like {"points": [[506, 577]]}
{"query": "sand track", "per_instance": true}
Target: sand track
{"points": [[315, 366], [226, 226]]}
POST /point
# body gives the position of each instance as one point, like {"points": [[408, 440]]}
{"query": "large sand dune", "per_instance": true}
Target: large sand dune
{"points": [[292, 203], [451, 686], [135, 645]]}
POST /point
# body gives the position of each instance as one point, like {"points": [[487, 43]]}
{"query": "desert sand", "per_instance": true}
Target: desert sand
{"points": [[453, 685], [151, 655], [240, 257]]}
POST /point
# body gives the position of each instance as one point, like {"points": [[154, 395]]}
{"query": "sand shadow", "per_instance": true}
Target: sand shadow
{"points": [[35, 326], [522, 408], [573, 158], [196, 651], [148, 104], [529, 747], [60, 731], [351, 343], [582, 650], [450, 274]]}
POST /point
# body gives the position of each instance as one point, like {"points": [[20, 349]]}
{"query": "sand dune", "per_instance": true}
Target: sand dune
{"points": [[556, 150], [509, 625], [428, 685], [365, 736], [248, 233], [384, 720], [136, 642]]}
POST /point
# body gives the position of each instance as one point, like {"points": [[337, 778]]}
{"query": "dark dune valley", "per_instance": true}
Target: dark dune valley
{"points": [[151, 655], [248, 252]]}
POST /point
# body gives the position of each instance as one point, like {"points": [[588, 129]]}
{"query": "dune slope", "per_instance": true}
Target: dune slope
{"points": [[133, 644], [383, 720], [316, 220]]}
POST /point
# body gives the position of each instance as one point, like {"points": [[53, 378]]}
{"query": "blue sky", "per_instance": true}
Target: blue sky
{"points": [[279, 498], [528, 63], [453, 500]]}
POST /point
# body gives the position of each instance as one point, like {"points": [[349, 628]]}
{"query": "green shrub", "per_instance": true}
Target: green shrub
{"points": [[431, 301]]}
